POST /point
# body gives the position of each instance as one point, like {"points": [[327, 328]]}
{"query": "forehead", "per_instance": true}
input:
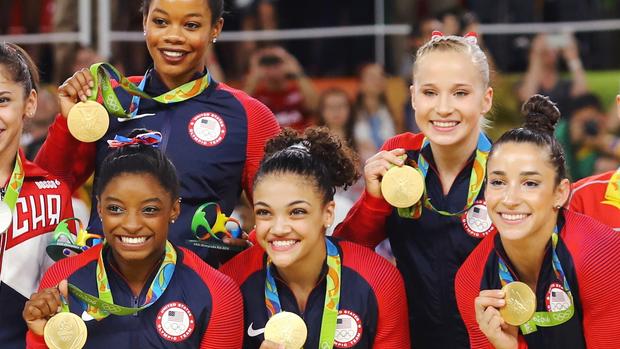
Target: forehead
{"points": [[281, 188], [134, 186], [513, 158], [181, 6], [448, 65]]}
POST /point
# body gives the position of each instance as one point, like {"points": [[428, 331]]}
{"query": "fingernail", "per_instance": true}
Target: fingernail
{"points": [[501, 302], [91, 84], [88, 93]]}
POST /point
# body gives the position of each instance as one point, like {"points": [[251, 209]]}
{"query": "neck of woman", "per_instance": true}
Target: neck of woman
{"points": [[526, 255], [137, 273], [7, 163], [173, 82], [451, 159], [303, 276]]}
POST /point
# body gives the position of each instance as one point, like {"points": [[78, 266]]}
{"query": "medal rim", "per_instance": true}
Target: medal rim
{"points": [[286, 319], [508, 313], [81, 329], [414, 192], [74, 121]]}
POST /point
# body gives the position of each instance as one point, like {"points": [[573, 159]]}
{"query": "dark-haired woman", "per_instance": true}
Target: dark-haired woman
{"points": [[215, 136], [32, 201], [170, 298], [568, 260], [314, 275]]}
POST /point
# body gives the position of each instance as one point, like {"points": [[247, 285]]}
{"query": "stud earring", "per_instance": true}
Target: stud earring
{"points": [[172, 221], [144, 33], [557, 207], [214, 40]]}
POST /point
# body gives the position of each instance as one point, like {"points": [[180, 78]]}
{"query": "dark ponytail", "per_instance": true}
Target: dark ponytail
{"points": [[541, 116], [316, 154], [20, 67]]}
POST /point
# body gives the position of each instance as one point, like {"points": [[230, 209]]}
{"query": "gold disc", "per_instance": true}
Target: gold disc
{"points": [[402, 186], [88, 121], [65, 331], [520, 303], [288, 329]]}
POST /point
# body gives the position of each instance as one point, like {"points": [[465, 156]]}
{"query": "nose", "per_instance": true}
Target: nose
{"points": [[281, 226], [132, 223], [511, 195], [174, 35], [444, 105]]}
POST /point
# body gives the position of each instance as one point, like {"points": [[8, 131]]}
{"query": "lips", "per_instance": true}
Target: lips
{"points": [[513, 218], [444, 124], [283, 244], [173, 56], [133, 241]]}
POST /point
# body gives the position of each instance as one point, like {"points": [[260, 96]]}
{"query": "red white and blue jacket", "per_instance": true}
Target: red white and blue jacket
{"points": [[372, 311], [588, 197], [589, 253], [43, 202], [215, 140], [200, 308]]}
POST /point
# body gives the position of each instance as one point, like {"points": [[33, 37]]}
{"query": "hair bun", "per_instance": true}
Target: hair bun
{"points": [[541, 114]]}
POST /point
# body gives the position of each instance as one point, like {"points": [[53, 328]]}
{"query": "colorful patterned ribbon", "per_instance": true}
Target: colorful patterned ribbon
{"points": [[476, 179], [612, 193], [332, 295], [15, 185], [102, 306], [150, 138], [543, 318], [102, 72]]}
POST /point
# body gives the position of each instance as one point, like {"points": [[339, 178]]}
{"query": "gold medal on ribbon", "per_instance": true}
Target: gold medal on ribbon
{"points": [[286, 328], [402, 186], [88, 121], [520, 303], [6, 217], [65, 331]]}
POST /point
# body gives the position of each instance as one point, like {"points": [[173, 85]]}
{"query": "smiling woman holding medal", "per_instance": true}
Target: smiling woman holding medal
{"points": [[348, 296], [545, 279], [136, 290], [214, 134], [32, 202], [437, 214]]}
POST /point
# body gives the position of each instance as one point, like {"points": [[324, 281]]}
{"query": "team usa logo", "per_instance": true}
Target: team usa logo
{"points": [[207, 129], [348, 329], [175, 322], [476, 221], [557, 299]]}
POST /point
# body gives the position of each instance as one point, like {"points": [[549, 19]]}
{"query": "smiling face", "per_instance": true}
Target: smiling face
{"points": [[521, 191], [291, 219], [136, 210], [449, 98], [14, 106], [178, 33]]}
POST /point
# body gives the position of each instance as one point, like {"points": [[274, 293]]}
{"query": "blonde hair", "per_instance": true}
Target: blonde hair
{"points": [[457, 44]]}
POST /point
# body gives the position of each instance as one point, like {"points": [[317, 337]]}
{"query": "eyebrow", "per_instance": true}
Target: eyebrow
{"points": [[112, 198], [187, 15], [5, 92], [432, 84], [524, 173], [290, 204]]}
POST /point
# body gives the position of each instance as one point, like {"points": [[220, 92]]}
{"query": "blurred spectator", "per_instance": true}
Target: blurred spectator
{"points": [[277, 79], [543, 75], [583, 135], [35, 130], [421, 32], [87, 56], [336, 113], [374, 121]]}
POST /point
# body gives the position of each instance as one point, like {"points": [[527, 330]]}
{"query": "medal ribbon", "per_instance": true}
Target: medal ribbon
{"points": [[476, 179], [332, 295], [15, 185], [102, 306], [543, 318], [612, 193], [102, 72]]}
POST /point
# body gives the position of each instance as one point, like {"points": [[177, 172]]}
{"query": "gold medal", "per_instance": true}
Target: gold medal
{"points": [[520, 303], [6, 217], [65, 331], [288, 329], [402, 186], [88, 121]]}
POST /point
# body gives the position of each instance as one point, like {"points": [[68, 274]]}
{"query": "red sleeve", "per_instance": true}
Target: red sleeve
{"points": [[61, 270], [389, 289], [66, 157], [240, 267], [595, 249], [225, 328], [365, 222], [262, 126], [467, 288]]}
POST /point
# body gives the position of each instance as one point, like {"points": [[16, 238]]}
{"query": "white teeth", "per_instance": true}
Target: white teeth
{"points": [[133, 241], [173, 53], [445, 123], [514, 217], [283, 243]]}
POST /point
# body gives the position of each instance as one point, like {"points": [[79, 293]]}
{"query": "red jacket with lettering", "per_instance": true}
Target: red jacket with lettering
{"points": [[43, 202], [588, 197]]}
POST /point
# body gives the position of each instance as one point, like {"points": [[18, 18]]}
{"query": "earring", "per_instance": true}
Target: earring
{"points": [[557, 207], [214, 40], [144, 33], [172, 221], [327, 226]]}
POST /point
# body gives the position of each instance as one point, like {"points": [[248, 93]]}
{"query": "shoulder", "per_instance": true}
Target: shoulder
{"points": [[601, 179], [589, 241], [43, 179], [245, 99], [358, 258], [66, 267], [244, 264], [407, 141], [216, 282]]}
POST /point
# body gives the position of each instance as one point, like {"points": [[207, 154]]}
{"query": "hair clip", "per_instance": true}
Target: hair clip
{"points": [[436, 34], [471, 38], [149, 138]]}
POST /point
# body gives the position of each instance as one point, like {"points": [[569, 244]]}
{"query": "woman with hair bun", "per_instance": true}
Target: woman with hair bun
{"points": [[314, 275], [541, 281]]}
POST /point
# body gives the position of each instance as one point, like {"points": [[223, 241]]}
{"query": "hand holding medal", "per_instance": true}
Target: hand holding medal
{"points": [[402, 186], [286, 328]]}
